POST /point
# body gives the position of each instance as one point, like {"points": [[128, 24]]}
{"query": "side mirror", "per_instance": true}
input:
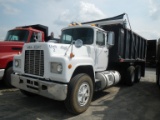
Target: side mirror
{"points": [[38, 37], [111, 39]]}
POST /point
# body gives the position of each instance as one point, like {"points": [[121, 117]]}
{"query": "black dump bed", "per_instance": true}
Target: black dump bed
{"points": [[39, 27], [129, 46]]}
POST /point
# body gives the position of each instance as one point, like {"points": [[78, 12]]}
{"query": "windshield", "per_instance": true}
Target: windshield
{"points": [[85, 34], [17, 35]]}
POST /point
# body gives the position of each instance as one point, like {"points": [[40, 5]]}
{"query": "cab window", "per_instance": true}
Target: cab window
{"points": [[100, 38], [33, 37]]}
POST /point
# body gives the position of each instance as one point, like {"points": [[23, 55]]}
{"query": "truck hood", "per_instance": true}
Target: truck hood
{"points": [[59, 49], [10, 46]]}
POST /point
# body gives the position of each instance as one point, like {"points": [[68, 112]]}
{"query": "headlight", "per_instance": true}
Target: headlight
{"points": [[17, 63], [56, 67], [59, 68]]}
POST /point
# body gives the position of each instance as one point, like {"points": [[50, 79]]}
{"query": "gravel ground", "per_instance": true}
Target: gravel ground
{"points": [[139, 102]]}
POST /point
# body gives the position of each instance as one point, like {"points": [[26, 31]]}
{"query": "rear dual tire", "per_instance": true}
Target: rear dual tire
{"points": [[133, 75], [137, 73], [130, 76]]}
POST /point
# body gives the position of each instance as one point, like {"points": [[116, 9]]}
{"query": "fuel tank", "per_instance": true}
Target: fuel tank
{"points": [[107, 78]]}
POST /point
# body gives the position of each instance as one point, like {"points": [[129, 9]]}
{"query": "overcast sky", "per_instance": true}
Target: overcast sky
{"points": [[144, 15]]}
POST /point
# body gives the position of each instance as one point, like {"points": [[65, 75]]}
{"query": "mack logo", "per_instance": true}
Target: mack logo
{"points": [[37, 46], [34, 47], [29, 47]]}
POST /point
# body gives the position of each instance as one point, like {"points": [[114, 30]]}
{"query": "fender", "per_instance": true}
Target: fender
{"points": [[83, 64], [6, 58]]}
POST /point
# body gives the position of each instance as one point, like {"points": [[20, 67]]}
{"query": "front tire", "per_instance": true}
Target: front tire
{"points": [[80, 92], [7, 78]]}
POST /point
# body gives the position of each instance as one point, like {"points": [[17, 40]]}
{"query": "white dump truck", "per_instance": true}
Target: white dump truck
{"points": [[87, 58]]}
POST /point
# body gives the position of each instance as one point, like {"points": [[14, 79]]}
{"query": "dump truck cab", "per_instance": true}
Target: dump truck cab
{"points": [[88, 58], [13, 43]]}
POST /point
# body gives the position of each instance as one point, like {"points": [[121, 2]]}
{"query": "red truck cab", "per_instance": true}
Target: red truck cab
{"points": [[13, 44]]}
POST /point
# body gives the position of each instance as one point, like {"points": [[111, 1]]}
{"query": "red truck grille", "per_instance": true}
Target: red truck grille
{"points": [[34, 62]]}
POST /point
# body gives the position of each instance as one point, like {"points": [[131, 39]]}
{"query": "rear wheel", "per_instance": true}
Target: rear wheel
{"points": [[137, 73], [130, 76], [80, 92]]}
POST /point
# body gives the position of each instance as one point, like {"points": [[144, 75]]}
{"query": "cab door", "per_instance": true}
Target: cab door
{"points": [[101, 51]]}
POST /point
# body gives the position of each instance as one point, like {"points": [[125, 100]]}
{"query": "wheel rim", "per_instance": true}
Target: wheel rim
{"points": [[83, 94]]}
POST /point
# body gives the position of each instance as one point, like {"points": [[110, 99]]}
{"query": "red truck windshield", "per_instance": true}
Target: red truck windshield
{"points": [[17, 35]]}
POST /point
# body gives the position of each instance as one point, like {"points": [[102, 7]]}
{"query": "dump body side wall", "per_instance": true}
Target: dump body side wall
{"points": [[129, 46]]}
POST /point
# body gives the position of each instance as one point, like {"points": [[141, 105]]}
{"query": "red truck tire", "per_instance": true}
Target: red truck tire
{"points": [[7, 78]]}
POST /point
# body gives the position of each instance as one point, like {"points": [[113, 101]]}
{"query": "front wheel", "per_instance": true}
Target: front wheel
{"points": [[7, 78], [80, 92]]}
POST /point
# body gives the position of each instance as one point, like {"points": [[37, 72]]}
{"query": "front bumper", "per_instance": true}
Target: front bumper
{"points": [[47, 89], [1, 73]]}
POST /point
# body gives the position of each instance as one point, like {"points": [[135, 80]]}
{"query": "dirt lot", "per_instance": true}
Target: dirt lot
{"points": [[140, 102]]}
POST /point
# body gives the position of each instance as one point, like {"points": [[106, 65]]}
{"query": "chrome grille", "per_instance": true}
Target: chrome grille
{"points": [[34, 62]]}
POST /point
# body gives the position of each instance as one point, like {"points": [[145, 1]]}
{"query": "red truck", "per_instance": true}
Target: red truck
{"points": [[13, 44]]}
